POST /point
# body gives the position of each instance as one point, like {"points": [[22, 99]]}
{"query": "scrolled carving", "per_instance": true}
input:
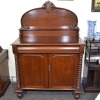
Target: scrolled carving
{"points": [[48, 6]]}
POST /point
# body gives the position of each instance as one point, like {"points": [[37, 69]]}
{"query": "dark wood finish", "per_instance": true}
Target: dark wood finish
{"points": [[60, 72], [40, 18], [97, 78], [92, 83], [37, 77], [48, 52], [4, 72], [0, 49], [48, 21]]}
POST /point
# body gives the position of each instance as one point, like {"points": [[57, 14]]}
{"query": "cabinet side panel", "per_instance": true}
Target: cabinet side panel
{"points": [[4, 73]]}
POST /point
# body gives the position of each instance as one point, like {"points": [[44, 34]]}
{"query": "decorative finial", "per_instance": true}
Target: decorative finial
{"points": [[48, 6]]}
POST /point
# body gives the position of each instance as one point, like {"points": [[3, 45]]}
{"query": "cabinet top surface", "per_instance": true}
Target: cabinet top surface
{"points": [[54, 40]]}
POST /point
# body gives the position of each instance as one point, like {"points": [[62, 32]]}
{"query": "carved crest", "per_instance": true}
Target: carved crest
{"points": [[48, 6]]}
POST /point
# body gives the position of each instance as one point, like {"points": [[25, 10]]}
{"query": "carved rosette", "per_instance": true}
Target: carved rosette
{"points": [[48, 6]]}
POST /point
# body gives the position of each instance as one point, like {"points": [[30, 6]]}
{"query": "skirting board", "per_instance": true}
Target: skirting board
{"points": [[13, 79]]}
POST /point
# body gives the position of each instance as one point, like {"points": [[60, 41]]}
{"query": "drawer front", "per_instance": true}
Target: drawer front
{"points": [[48, 49]]}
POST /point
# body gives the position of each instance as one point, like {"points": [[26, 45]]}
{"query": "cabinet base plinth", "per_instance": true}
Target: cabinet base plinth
{"points": [[20, 92]]}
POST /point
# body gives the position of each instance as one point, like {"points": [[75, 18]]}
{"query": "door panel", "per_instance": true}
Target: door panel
{"points": [[34, 70], [63, 70]]}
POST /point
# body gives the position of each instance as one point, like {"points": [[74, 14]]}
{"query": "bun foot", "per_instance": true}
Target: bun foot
{"points": [[77, 96], [19, 95]]}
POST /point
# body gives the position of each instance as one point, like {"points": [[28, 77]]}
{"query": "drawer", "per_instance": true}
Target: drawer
{"points": [[48, 49]]}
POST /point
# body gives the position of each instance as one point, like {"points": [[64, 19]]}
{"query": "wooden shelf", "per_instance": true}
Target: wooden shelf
{"points": [[92, 81], [92, 66], [91, 41], [91, 89], [87, 88], [93, 51]]}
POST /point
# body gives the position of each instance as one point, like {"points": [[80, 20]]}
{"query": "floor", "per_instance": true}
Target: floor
{"points": [[45, 95]]}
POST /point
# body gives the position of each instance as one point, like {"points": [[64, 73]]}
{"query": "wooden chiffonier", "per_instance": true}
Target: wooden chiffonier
{"points": [[4, 71], [48, 52]]}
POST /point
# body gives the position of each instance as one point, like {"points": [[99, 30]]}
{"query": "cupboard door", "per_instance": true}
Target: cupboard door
{"points": [[33, 70], [63, 70]]}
